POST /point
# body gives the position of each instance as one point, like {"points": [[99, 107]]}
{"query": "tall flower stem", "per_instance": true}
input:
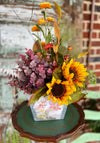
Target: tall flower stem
{"points": [[45, 24]]}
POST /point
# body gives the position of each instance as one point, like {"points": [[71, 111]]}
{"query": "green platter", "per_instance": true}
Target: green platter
{"points": [[53, 130]]}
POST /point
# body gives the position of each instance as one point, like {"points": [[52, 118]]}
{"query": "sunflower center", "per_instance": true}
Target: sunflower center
{"points": [[72, 71], [58, 90]]}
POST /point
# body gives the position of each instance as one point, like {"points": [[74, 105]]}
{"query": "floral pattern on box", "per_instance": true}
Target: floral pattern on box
{"points": [[45, 109]]}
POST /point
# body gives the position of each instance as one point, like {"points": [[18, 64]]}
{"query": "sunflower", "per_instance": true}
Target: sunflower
{"points": [[50, 19], [74, 72], [45, 5], [41, 21], [59, 91], [35, 28]]}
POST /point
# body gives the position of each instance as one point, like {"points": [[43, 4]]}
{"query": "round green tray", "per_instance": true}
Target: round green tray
{"points": [[51, 131]]}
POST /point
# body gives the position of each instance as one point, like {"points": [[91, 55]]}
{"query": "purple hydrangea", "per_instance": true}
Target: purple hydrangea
{"points": [[27, 71], [34, 72], [39, 82], [33, 64]]}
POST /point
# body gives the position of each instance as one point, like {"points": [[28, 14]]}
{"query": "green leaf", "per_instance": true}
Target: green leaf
{"points": [[36, 36], [40, 28], [48, 37], [76, 97], [57, 73], [44, 14], [35, 97], [60, 58]]}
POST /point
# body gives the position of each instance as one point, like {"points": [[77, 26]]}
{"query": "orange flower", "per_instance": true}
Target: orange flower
{"points": [[41, 21], [43, 44], [45, 5], [50, 19], [35, 28]]}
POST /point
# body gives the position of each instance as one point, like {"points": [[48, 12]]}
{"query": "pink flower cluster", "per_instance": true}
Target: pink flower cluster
{"points": [[34, 72]]}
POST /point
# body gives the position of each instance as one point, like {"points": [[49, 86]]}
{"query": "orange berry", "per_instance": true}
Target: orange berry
{"points": [[69, 48]]}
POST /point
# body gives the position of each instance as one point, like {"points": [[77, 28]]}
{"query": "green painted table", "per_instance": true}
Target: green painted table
{"points": [[47, 131]]}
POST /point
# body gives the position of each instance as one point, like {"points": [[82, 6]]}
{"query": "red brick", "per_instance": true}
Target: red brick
{"points": [[97, 73], [97, 0], [94, 35], [92, 52], [91, 67], [95, 43], [97, 66], [87, 16], [95, 17], [95, 88], [85, 6], [87, 43], [98, 51], [88, 26], [85, 34], [96, 26]]}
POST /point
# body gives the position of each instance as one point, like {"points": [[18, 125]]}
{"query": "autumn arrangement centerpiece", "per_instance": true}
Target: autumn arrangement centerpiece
{"points": [[54, 79]]}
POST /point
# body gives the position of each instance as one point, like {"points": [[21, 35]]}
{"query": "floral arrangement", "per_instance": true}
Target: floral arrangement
{"points": [[45, 71]]}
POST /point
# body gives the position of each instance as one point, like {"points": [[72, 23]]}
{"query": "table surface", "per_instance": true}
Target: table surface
{"points": [[47, 131]]}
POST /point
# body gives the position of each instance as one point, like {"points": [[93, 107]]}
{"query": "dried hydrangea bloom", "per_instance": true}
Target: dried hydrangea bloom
{"points": [[34, 72]]}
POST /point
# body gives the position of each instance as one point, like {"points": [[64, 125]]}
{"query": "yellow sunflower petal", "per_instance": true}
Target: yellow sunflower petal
{"points": [[54, 99], [58, 81], [48, 91], [71, 75], [48, 97], [70, 98], [63, 66], [49, 85], [53, 80], [79, 84]]}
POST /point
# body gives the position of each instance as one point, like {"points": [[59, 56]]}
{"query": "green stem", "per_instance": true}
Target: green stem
{"points": [[56, 57], [48, 25], [36, 36], [45, 24]]}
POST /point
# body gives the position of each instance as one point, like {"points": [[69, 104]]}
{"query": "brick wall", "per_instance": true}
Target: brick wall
{"points": [[95, 43]]}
